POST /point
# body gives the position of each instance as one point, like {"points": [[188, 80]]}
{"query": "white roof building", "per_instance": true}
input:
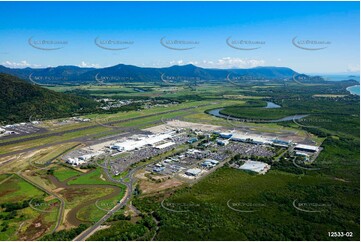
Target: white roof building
{"points": [[132, 144], [310, 148], [193, 172], [256, 166], [162, 146]]}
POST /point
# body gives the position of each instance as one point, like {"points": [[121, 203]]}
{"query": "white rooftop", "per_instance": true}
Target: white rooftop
{"points": [[307, 147], [132, 144], [162, 146], [255, 166], [194, 171]]}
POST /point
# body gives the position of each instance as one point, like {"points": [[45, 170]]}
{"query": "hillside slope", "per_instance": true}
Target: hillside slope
{"points": [[19, 100]]}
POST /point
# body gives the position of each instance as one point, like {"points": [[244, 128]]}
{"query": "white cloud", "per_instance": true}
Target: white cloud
{"points": [[21, 64], [179, 62], [84, 64], [353, 68], [233, 62], [223, 63]]}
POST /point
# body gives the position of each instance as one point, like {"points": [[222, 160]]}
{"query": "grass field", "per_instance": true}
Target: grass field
{"points": [[63, 173], [93, 177], [25, 222]]}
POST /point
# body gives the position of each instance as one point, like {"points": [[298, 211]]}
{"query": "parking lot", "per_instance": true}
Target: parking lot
{"points": [[120, 164], [193, 158]]}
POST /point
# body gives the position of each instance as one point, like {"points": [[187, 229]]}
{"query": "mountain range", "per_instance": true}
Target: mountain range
{"points": [[128, 73]]}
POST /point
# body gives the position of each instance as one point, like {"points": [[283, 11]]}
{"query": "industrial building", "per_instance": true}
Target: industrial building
{"points": [[193, 172], [209, 163], [307, 148], [222, 142], [225, 135], [253, 139], [256, 166], [139, 142]]}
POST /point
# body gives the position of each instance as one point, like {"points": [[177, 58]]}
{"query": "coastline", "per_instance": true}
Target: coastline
{"points": [[349, 89]]}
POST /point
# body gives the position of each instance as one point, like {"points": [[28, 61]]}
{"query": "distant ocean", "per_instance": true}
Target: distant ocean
{"points": [[341, 77], [353, 89]]}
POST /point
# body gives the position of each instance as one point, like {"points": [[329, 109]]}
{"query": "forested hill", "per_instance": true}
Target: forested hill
{"points": [[73, 75], [19, 100]]}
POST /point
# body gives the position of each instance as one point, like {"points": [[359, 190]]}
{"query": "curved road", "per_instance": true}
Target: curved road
{"points": [[88, 232]]}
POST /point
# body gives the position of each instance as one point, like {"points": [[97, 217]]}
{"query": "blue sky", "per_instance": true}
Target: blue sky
{"points": [[266, 29]]}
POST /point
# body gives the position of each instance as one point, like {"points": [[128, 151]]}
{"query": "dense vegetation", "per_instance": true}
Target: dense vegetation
{"points": [[65, 235], [126, 231], [271, 197], [20, 100]]}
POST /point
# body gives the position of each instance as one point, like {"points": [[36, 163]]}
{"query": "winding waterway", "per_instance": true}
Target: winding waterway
{"points": [[216, 113]]}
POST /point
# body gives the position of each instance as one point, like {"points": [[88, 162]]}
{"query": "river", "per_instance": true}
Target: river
{"points": [[216, 113]]}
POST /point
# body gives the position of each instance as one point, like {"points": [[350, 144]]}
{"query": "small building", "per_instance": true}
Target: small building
{"points": [[165, 145], [207, 144], [281, 142], [158, 168], [117, 147], [307, 148], [193, 151], [192, 140], [213, 162], [225, 135], [222, 142], [193, 172], [280, 145], [207, 164], [298, 153]]}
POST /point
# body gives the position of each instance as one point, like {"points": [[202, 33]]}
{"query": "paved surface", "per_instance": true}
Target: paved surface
{"points": [[108, 124]]}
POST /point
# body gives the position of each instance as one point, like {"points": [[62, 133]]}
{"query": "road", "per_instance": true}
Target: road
{"points": [[88, 232], [62, 202]]}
